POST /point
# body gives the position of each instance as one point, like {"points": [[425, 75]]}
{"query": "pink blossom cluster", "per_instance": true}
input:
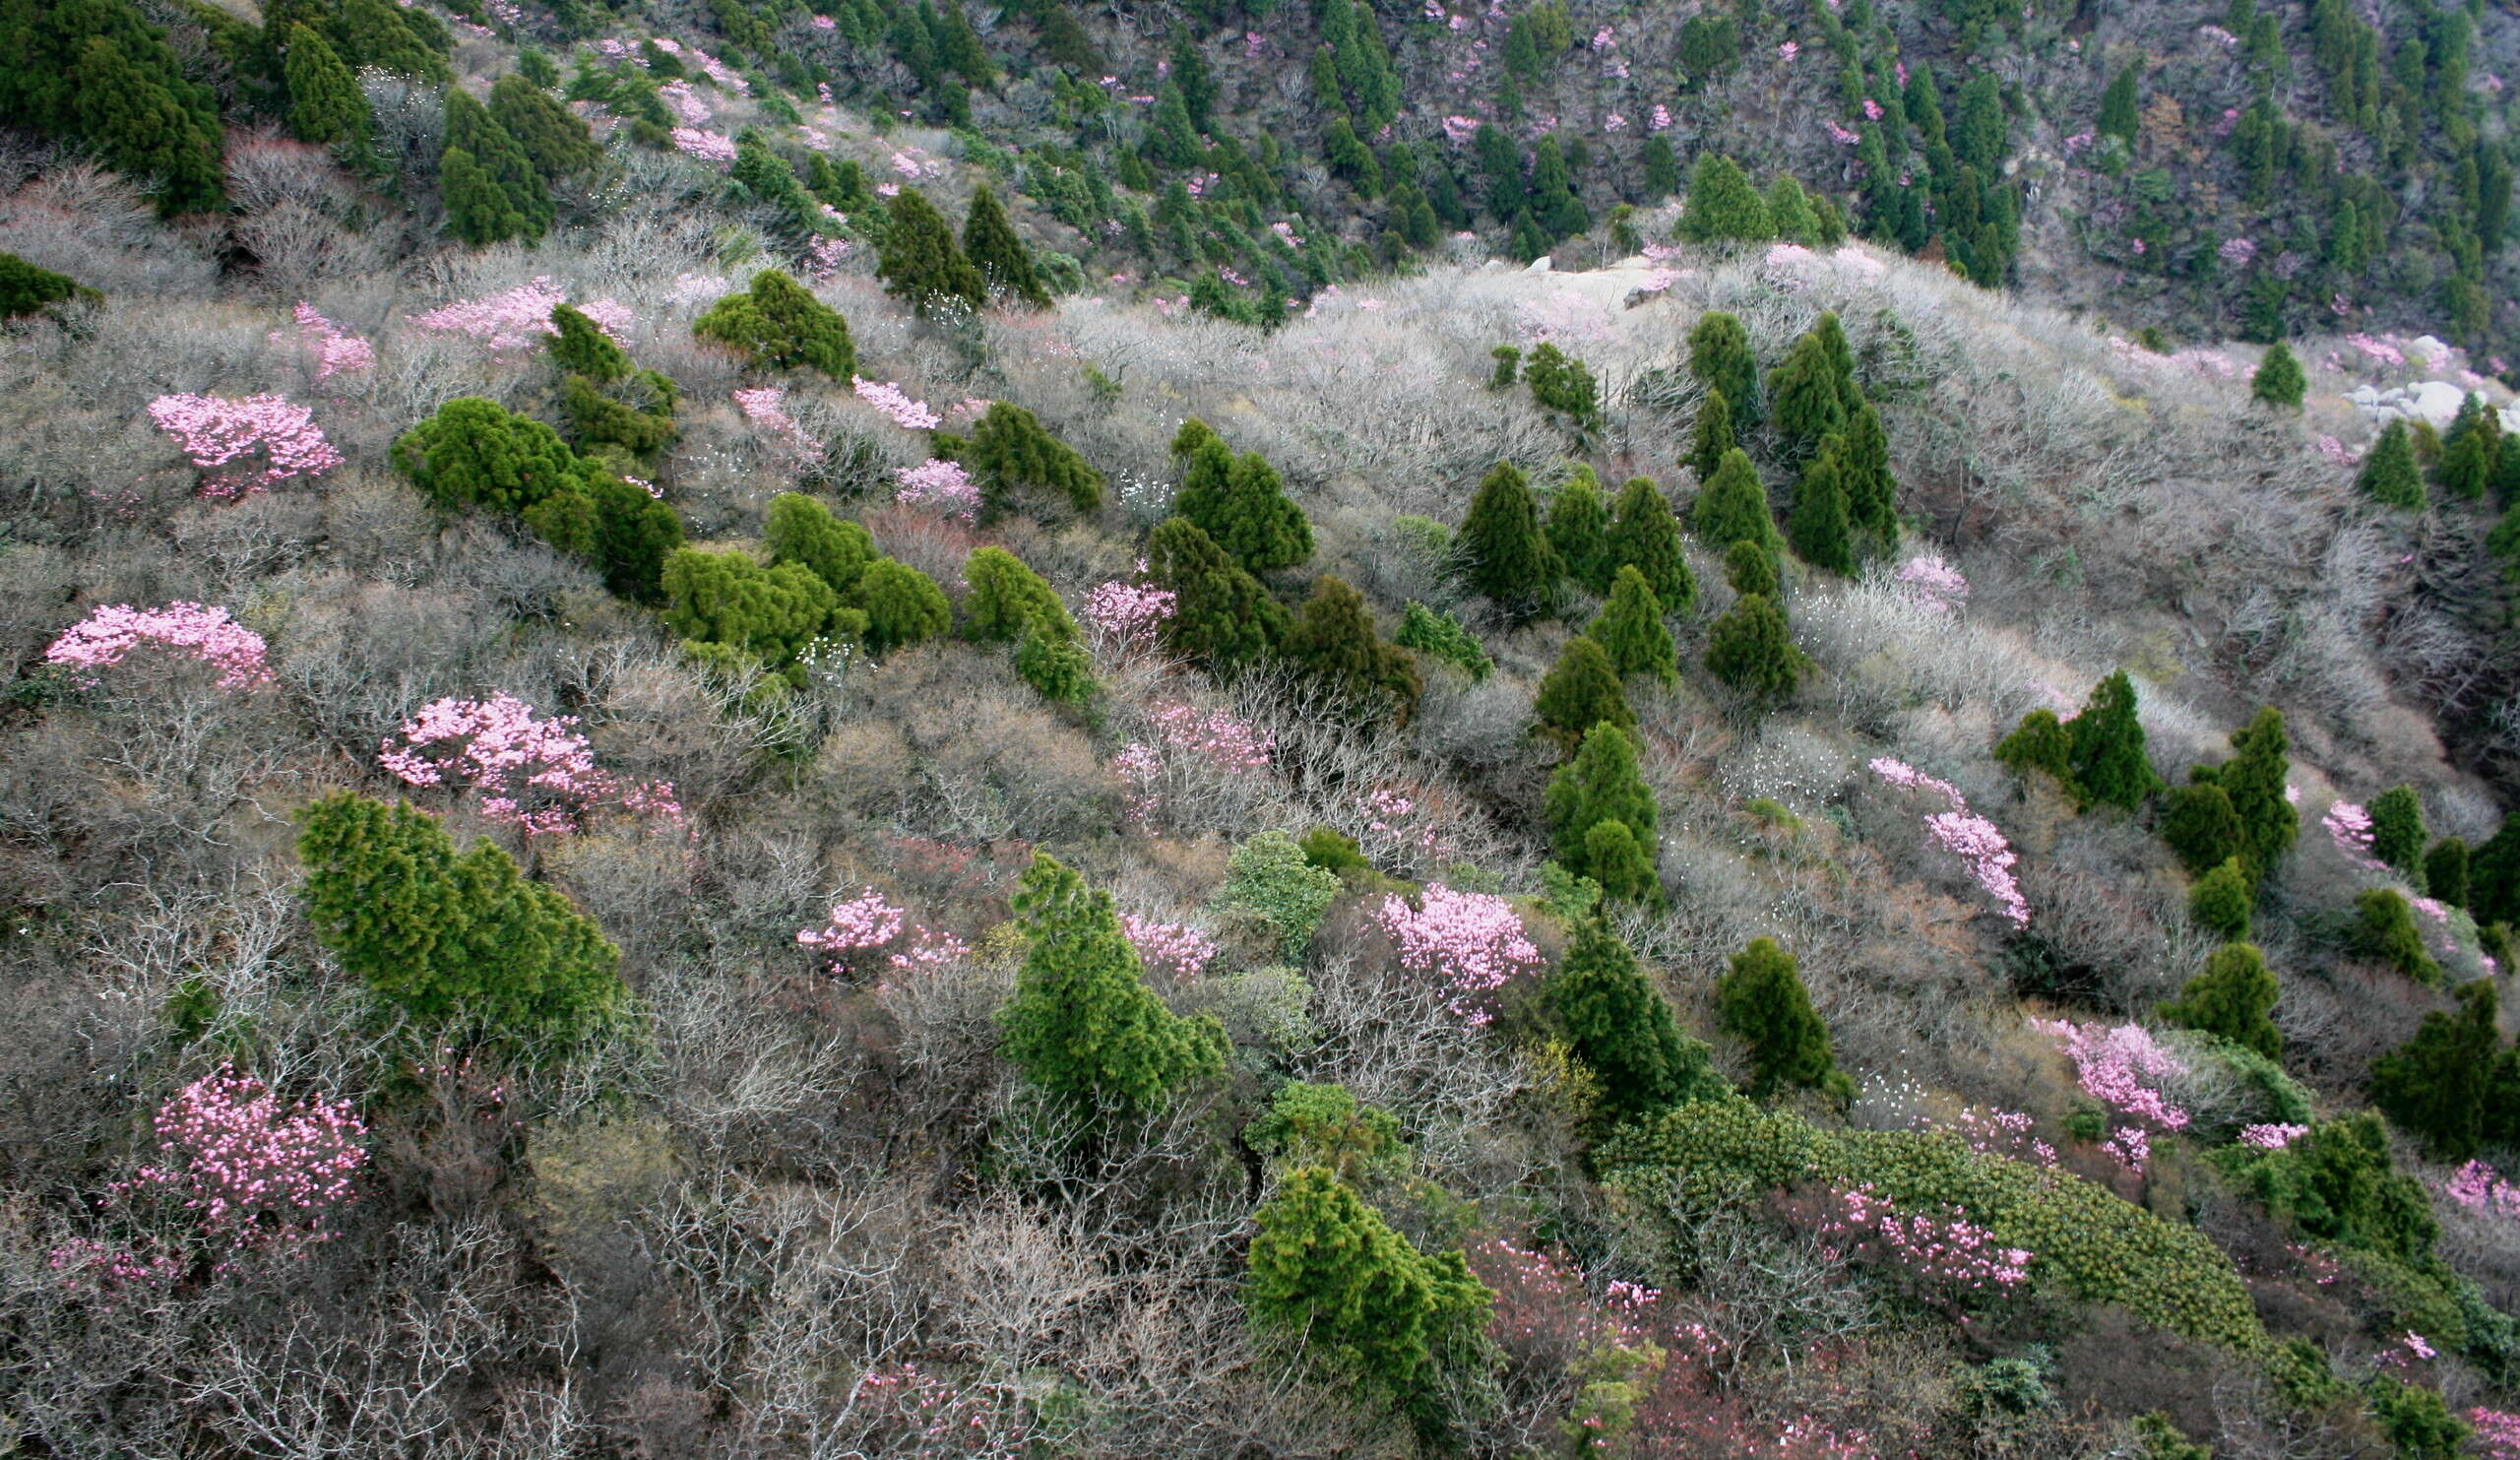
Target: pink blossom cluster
{"points": [[2272, 1137], [822, 256], [685, 103], [1471, 942], [1542, 1295], [942, 484], [1950, 1252], [926, 1414], [709, 147], [84, 1262], [896, 404], [1971, 837], [208, 634], [1662, 119], [766, 406], [254, 1170], [2349, 826], [1403, 828], [1841, 136], [2120, 1066], [1933, 584], [528, 772], [1213, 737], [2481, 1189], [861, 924], [2378, 351], [214, 431], [335, 353], [2497, 1431], [2130, 1146], [1125, 617], [2236, 252], [1177, 948], [519, 318], [2001, 1132]]}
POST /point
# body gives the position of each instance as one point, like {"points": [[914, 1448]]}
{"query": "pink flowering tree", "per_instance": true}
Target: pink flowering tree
{"points": [[1947, 1257], [896, 405], [2479, 1187], [942, 484], [1197, 758], [855, 930], [527, 771], [1933, 584], [1979, 844], [766, 406], [1176, 948], [520, 318], [334, 351], [110, 634], [2123, 1069], [1126, 619], [244, 446], [1468, 944]]}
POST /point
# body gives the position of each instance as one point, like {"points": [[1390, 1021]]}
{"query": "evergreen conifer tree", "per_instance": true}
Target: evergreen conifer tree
{"points": [[2493, 876], [98, 73], [1619, 1025], [2471, 449], [1733, 507], [1723, 207], [778, 325], [1333, 641], [1632, 631], [2390, 475], [1222, 617], [2041, 743], [1579, 530], [2384, 932], [2397, 830], [902, 605], [1621, 865], [1789, 212], [1504, 554], [1004, 264], [2117, 106], [1751, 650], [1807, 395], [392, 37], [1662, 169], [799, 530], [579, 347], [1563, 386], [1373, 1310], [522, 207], [2278, 380], [1710, 435], [1439, 636], [1008, 599], [728, 608], [1719, 358], [2438, 1085], [2199, 823], [921, 264], [2254, 778], [2230, 999], [1763, 1003], [1750, 570], [1646, 537], [1602, 783], [1580, 691], [1010, 452], [2110, 765], [457, 941], [556, 140], [1817, 527], [1241, 502], [2221, 899], [1082, 1022], [325, 104], [1872, 493], [474, 453], [2445, 871], [25, 289]]}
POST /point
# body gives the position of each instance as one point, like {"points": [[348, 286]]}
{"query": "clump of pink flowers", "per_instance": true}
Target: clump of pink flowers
{"points": [[2481, 1189], [766, 406], [214, 431], [1215, 737], [253, 1171], [1948, 1252], [521, 318], [1177, 948], [1125, 617], [2272, 1137], [918, 1413], [1971, 837], [2001, 1132], [861, 924], [110, 633], [896, 404], [942, 484], [1471, 943], [537, 774], [2121, 1067], [2497, 1433], [2349, 826], [709, 147], [335, 353], [1933, 584]]}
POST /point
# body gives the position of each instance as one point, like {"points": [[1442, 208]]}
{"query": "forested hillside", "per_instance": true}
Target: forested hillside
{"points": [[1272, 730]]}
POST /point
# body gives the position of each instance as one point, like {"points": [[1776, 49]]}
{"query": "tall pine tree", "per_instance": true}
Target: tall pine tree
{"points": [[1504, 555], [1004, 264], [921, 263], [1646, 537]]}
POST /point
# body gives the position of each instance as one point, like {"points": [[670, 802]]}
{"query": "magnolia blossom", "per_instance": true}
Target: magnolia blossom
{"points": [[208, 634], [1470, 942], [941, 483], [1662, 119], [1975, 840], [214, 431], [896, 404], [521, 318]]}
